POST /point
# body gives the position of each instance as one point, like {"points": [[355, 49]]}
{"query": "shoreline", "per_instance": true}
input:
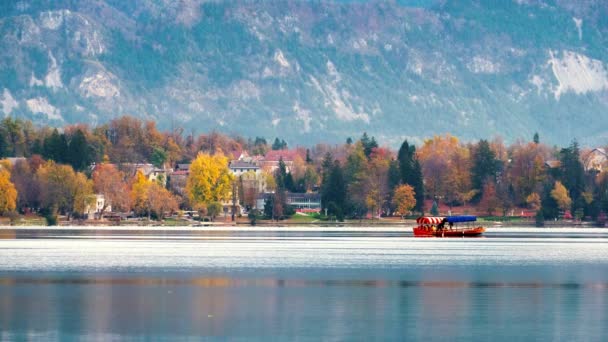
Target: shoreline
{"points": [[294, 228]]}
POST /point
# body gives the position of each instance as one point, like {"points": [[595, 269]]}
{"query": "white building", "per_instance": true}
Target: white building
{"points": [[93, 210]]}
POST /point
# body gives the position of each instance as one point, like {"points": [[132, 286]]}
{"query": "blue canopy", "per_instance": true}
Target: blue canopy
{"points": [[464, 218]]}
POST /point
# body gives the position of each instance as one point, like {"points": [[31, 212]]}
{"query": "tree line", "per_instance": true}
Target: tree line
{"points": [[356, 179]]}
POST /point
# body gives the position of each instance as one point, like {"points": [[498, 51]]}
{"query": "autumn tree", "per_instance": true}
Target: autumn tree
{"points": [[160, 200], [446, 168], [139, 194], [489, 200], [377, 180], [526, 170], [356, 178], [214, 209], [533, 201], [112, 184], [8, 193], [17, 137], [561, 196], [64, 190], [404, 199], [210, 179], [27, 185], [250, 185]]}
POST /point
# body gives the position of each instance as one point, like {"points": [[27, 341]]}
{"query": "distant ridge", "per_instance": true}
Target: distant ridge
{"points": [[313, 70]]}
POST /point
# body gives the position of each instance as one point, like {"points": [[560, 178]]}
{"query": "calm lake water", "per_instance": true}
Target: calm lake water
{"points": [[516, 284]]}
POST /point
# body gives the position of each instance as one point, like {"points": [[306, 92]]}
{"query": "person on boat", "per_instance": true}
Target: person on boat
{"points": [[441, 225]]}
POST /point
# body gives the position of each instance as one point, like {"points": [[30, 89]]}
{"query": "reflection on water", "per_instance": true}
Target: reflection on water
{"points": [[313, 288], [287, 309]]}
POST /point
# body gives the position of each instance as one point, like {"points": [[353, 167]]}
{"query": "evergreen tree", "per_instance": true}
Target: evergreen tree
{"points": [[290, 184], [540, 219], [536, 138], [3, 144], [418, 184], [369, 144], [279, 144], [268, 207], [349, 141], [333, 190], [56, 147], [435, 209], [394, 180], [405, 156], [549, 206], [411, 172], [276, 145], [78, 153], [572, 172], [158, 157], [326, 166], [394, 175], [485, 165], [308, 159], [280, 175]]}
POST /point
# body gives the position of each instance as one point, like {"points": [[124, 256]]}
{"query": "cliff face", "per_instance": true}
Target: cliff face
{"points": [[307, 71]]}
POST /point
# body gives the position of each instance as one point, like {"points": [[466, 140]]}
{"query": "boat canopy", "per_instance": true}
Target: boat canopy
{"points": [[464, 218], [429, 220]]}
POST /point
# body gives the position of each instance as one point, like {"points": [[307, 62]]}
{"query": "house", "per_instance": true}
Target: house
{"points": [[304, 202], [596, 160], [552, 164], [182, 167], [239, 167], [270, 163], [14, 160], [93, 210], [301, 202], [150, 171]]}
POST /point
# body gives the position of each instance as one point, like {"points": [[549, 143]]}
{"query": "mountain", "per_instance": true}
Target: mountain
{"points": [[312, 71]]}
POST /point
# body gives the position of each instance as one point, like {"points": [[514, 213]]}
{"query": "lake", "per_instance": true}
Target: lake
{"points": [[302, 284]]}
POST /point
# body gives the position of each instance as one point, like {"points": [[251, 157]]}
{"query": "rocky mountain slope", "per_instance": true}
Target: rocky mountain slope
{"points": [[312, 71]]}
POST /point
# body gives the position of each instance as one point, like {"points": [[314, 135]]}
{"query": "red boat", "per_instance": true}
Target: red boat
{"points": [[449, 226]]}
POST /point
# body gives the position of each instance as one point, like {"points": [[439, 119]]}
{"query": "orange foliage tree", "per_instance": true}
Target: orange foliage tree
{"points": [[111, 183], [446, 168]]}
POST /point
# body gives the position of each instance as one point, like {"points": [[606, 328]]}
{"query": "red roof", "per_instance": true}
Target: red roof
{"points": [[287, 155]]}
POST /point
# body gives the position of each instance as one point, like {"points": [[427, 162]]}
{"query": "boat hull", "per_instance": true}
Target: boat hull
{"points": [[419, 231]]}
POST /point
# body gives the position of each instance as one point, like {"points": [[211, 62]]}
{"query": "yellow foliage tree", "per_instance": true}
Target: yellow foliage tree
{"points": [[560, 195], [533, 200], [446, 167], [139, 193], [83, 193], [62, 189], [404, 199], [209, 180], [8, 193]]}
